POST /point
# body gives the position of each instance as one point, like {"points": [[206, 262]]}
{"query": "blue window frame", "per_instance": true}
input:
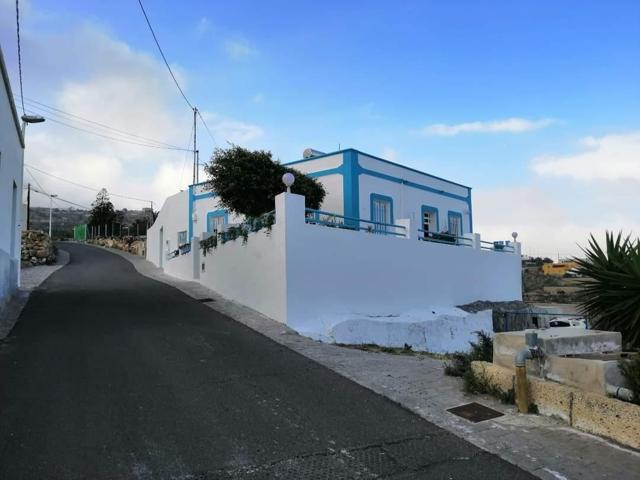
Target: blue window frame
{"points": [[182, 237], [381, 208], [216, 219], [455, 223], [430, 221]]}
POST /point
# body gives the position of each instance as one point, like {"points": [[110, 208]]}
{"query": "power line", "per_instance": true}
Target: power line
{"points": [[207, 128], [93, 189], [108, 137], [162, 54], [35, 179], [40, 105], [84, 207], [19, 53]]}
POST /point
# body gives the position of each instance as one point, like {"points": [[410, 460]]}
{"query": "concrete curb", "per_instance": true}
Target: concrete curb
{"points": [[589, 412]]}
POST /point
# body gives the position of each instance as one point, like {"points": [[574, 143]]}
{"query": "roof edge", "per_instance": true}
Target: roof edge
{"points": [[7, 87]]}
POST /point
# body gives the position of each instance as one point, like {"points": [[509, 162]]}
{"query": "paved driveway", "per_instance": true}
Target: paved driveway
{"points": [[109, 374]]}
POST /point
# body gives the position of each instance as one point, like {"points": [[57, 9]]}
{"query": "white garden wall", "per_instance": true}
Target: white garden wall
{"points": [[333, 272], [333, 283]]}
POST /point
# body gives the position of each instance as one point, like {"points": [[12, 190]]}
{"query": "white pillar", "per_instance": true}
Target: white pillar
{"points": [[410, 231]]}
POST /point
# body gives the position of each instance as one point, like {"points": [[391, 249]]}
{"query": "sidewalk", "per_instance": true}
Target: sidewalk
{"points": [[541, 445], [30, 279]]}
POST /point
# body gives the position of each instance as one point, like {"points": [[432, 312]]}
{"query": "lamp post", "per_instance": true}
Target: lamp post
{"points": [[288, 180], [51, 197]]}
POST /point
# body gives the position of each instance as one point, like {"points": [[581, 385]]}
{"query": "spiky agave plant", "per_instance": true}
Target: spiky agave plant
{"points": [[611, 288]]}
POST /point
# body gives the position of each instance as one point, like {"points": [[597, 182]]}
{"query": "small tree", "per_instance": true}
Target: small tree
{"points": [[102, 211], [247, 182], [611, 288]]}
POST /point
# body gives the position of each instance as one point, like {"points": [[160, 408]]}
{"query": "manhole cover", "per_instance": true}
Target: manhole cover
{"points": [[205, 300], [474, 412]]}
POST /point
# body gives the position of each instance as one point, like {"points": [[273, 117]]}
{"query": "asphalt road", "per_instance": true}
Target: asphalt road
{"points": [[109, 375]]}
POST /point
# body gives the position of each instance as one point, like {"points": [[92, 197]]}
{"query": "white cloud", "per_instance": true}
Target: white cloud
{"points": [[548, 222], [239, 49], [508, 125], [611, 158], [88, 73], [230, 130]]}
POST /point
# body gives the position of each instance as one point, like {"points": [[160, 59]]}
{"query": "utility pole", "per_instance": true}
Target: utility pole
{"points": [[51, 197], [195, 151], [28, 205]]}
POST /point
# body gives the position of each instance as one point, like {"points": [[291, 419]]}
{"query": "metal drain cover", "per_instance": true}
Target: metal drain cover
{"points": [[475, 412], [205, 300]]}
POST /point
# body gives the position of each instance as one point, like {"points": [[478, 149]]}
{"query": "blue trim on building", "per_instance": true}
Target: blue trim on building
{"points": [[470, 213], [217, 213], [376, 158], [377, 196], [434, 210], [351, 184], [324, 173], [204, 195], [451, 214]]}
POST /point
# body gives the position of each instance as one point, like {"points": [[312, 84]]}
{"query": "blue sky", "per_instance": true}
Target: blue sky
{"points": [[515, 99]]}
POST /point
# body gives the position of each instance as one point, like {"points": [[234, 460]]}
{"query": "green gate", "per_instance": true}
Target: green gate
{"points": [[80, 233]]}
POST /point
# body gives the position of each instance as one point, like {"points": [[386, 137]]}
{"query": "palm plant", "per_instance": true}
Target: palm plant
{"points": [[611, 289]]}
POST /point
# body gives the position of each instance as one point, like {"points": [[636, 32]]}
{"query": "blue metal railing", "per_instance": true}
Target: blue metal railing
{"points": [[444, 237], [319, 217]]}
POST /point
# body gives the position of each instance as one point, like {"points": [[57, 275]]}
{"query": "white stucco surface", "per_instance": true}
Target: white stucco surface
{"points": [[11, 165], [436, 329]]}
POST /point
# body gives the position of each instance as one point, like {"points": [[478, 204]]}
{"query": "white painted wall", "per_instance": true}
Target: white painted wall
{"points": [[172, 219], [11, 166], [407, 200], [336, 272], [251, 274]]}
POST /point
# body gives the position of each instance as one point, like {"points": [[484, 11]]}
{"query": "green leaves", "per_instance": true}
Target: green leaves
{"points": [[611, 289], [247, 182]]}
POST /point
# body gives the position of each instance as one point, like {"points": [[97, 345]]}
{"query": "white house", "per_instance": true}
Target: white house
{"points": [[11, 165], [386, 259]]}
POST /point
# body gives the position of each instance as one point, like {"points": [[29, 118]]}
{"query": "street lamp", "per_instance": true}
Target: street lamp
{"points": [[51, 197], [288, 180]]}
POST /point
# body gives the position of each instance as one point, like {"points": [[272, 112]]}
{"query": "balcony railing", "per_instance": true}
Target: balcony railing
{"points": [[499, 246], [328, 219], [444, 237]]}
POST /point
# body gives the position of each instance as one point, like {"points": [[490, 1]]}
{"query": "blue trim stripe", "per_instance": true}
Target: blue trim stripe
{"points": [[376, 158], [324, 173], [351, 184]]}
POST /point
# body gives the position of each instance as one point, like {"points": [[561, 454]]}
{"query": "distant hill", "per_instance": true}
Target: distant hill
{"points": [[64, 219]]}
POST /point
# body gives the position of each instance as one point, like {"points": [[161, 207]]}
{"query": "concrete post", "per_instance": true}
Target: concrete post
{"points": [[474, 240], [411, 233]]}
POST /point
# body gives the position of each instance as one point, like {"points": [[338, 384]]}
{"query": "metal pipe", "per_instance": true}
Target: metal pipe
{"points": [[530, 351], [619, 392]]}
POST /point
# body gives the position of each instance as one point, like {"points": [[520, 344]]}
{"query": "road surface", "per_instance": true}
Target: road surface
{"points": [[110, 375]]}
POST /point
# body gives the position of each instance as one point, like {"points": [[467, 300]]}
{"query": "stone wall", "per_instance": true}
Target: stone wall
{"points": [[126, 244], [37, 248]]}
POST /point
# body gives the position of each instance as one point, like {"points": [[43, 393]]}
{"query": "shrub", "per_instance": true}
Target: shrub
{"points": [[479, 384], [460, 363], [247, 182], [630, 370], [611, 288]]}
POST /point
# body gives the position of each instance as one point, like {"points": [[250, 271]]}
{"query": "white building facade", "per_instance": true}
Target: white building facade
{"points": [[386, 259], [11, 168]]}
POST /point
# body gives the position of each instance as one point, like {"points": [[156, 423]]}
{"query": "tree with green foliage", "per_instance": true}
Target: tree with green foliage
{"points": [[611, 287], [247, 181], [102, 211]]}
